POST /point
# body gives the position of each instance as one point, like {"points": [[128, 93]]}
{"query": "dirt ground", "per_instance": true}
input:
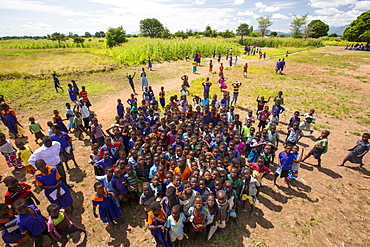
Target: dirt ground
{"points": [[327, 206]]}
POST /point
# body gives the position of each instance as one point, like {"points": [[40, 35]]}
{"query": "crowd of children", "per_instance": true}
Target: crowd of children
{"points": [[192, 168]]}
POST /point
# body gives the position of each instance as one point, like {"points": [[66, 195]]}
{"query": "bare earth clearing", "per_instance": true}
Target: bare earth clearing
{"points": [[329, 206]]}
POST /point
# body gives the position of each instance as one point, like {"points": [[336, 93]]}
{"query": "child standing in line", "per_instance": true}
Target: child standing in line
{"points": [[24, 153], [120, 108], [70, 116], [59, 225], [35, 128], [156, 220], [132, 185], [162, 95], [59, 121], [147, 197], [236, 87], [109, 212], [31, 222], [8, 220], [210, 66], [175, 225], [119, 184], [250, 190], [320, 147], [9, 153]]}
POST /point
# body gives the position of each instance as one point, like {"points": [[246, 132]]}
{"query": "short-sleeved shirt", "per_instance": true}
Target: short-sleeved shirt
{"points": [[261, 104], [83, 94], [62, 139], [120, 109], [323, 142], [25, 154], [161, 216], [236, 183], [294, 135], [33, 225], [120, 185], [35, 127], [77, 121], [273, 137], [72, 94], [176, 227], [207, 86], [286, 161], [264, 115], [98, 130], [105, 163], [185, 175]]}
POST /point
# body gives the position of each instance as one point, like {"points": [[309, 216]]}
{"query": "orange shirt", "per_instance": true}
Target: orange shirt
{"points": [[185, 175], [150, 220]]}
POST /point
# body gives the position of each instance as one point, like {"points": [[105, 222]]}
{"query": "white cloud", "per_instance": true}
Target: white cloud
{"points": [[279, 16], [337, 20], [36, 6], [200, 2], [362, 5], [264, 8], [328, 11], [238, 2], [247, 13], [330, 3]]}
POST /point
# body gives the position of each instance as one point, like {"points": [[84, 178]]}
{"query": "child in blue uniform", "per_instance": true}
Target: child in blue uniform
{"points": [[7, 221]]}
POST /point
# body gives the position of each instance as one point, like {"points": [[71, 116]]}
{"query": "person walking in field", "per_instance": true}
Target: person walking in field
{"points": [[185, 81], [131, 81], [150, 65], [57, 83], [245, 70], [357, 153], [144, 80]]}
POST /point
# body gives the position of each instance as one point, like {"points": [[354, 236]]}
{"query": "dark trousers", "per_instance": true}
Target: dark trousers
{"points": [[62, 172]]}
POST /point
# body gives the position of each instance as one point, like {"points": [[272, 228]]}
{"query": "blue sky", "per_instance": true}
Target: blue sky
{"points": [[36, 17]]}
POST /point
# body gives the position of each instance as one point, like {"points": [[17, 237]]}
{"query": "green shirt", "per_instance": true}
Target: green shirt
{"points": [[35, 127], [323, 142], [77, 121], [237, 183]]}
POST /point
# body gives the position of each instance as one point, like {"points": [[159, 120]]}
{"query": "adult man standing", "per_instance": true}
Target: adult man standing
{"points": [[49, 152]]}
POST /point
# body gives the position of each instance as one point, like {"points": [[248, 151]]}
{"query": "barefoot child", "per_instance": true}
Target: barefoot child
{"points": [[35, 128], [109, 212], [358, 152], [285, 164], [250, 190], [199, 218], [59, 225], [320, 147], [156, 220], [24, 153], [18, 190], [162, 95], [9, 153], [175, 225]]}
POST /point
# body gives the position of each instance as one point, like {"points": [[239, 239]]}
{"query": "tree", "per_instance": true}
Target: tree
{"points": [[334, 35], [227, 34], [359, 29], [151, 27], [87, 35], [209, 32], [263, 24], [273, 34], [318, 28], [78, 40], [298, 26], [166, 34], [58, 37], [97, 35], [181, 34], [116, 36], [243, 30]]}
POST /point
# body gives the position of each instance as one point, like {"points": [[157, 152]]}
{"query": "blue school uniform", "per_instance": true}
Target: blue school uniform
{"points": [[33, 225], [15, 236], [108, 209], [51, 179]]}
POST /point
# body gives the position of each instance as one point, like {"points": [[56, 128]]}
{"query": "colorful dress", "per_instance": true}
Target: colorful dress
{"points": [[59, 121], [144, 80], [70, 115], [157, 233], [10, 120], [11, 236], [10, 155], [108, 209], [361, 147], [65, 200]]}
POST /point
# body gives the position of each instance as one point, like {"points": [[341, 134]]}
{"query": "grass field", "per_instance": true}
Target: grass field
{"points": [[326, 206]]}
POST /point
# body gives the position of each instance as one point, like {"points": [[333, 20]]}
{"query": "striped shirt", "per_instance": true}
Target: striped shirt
{"points": [[236, 87], [132, 182]]}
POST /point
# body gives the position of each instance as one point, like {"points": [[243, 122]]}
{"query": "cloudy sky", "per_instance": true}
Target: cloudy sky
{"points": [[37, 17]]}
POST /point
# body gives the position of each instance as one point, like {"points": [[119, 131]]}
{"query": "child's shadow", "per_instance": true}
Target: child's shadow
{"points": [[329, 172], [118, 233], [262, 221], [269, 204], [361, 170], [277, 196], [308, 168], [300, 186], [242, 108], [77, 175], [291, 191]]}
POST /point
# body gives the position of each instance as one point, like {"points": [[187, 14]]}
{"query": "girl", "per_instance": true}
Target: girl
{"points": [[23, 154], [10, 153], [162, 99], [245, 70], [185, 81], [70, 116], [306, 123], [119, 184], [199, 218], [59, 121], [296, 161], [210, 66], [132, 184], [187, 197], [144, 80], [48, 178], [358, 152], [8, 222], [156, 220], [59, 225], [108, 209], [222, 83], [150, 63], [10, 120]]}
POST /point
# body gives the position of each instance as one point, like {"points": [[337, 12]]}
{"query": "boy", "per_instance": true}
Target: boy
{"points": [[31, 222], [175, 225], [206, 87], [35, 128], [236, 86], [250, 190], [120, 108], [320, 147], [147, 197], [56, 83], [18, 190], [72, 96]]}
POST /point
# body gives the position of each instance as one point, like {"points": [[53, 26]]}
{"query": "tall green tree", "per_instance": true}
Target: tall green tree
{"points": [[227, 34], [78, 40], [298, 26], [318, 28], [263, 24], [243, 30], [166, 34], [359, 29], [151, 27], [117, 36], [209, 32], [58, 37], [87, 35]]}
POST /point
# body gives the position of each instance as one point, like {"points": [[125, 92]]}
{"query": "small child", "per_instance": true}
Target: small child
{"points": [[50, 125], [132, 185], [250, 190], [31, 222], [320, 147], [70, 115], [236, 87], [156, 186], [175, 225], [285, 164], [18, 190], [169, 200], [296, 162], [210, 66], [223, 206], [78, 124], [279, 97], [187, 197], [23, 154], [162, 99], [156, 220], [35, 128], [59, 121], [294, 119], [10, 231], [119, 184], [59, 225], [147, 197], [199, 218], [9, 153], [108, 209]]}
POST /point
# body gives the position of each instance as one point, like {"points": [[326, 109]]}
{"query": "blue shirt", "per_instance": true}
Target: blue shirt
{"points": [[33, 225], [120, 109], [63, 140], [204, 102], [278, 109], [120, 185], [72, 95], [107, 184], [105, 163], [286, 161], [176, 227], [153, 171]]}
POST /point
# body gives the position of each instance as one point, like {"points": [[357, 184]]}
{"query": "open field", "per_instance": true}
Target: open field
{"points": [[326, 206]]}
